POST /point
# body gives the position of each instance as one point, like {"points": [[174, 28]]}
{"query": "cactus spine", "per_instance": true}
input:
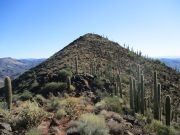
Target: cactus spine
{"points": [[8, 89], [76, 64], [142, 94], [168, 110], [131, 94], [156, 109]]}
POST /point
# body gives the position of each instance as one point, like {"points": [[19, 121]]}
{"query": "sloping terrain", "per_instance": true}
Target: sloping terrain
{"points": [[15, 67], [101, 52], [85, 89]]}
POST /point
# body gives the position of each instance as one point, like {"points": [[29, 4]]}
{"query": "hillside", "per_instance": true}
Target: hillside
{"points": [[172, 62], [94, 49], [85, 89], [15, 67]]}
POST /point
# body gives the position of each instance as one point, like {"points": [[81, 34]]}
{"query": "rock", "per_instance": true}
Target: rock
{"points": [[5, 129]]}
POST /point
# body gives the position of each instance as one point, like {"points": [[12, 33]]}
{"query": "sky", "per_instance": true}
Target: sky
{"points": [[39, 28]]}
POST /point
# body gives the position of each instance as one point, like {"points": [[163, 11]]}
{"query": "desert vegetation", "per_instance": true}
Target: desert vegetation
{"points": [[93, 87]]}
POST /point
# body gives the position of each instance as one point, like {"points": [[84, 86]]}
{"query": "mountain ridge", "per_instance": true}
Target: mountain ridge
{"points": [[14, 67]]}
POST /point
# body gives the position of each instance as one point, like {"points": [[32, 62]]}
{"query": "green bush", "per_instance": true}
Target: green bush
{"points": [[53, 104], [29, 116], [40, 99], [64, 74], [89, 124], [54, 87], [60, 113], [159, 128], [26, 95], [33, 131], [114, 104]]}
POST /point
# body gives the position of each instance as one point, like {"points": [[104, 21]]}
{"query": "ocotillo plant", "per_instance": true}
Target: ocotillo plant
{"points": [[142, 94], [131, 93], [8, 90], [76, 64], [168, 110], [159, 100], [156, 108]]}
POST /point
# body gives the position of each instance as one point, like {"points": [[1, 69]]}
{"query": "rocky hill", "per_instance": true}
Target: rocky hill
{"points": [[103, 53], [85, 89], [15, 67]]}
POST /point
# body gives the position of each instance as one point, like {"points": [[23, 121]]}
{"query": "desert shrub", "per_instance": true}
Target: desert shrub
{"points": [[98, 83], [89, 124], [125, 79], [6, 115], [53, 104], [159, 128], [54, 87], [114, 104], [74, 107], [72, 88], [33, 131], [40, 99], [60, 113], [29, 116], [26, 95], [63, 74]]}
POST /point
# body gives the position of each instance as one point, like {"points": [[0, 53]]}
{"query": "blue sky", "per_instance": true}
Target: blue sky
{"points": [[39, 28]]}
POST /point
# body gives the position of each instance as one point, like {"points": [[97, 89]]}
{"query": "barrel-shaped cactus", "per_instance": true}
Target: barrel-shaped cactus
{"points": [[8, 90], [168, 110]]}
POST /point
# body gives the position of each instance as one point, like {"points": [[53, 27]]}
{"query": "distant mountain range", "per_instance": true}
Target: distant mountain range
{"points": [[15, 67], [172, 62]]}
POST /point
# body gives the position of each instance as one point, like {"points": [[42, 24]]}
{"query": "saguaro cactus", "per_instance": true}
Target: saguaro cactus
{"points": [[119, 85], [76, 64], [135, 96], [168, 110], [156, 109], [159, 100], [8, 89], [69, 83], [142, 94], [131, 93]]}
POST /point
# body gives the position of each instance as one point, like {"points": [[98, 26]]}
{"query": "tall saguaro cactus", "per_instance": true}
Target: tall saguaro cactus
{"points": [[168, 110], [119, 85], [131, 94], [156, 109], [8, 89], [76, 64], [159, 100], [69, 83], [142, 94]]}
